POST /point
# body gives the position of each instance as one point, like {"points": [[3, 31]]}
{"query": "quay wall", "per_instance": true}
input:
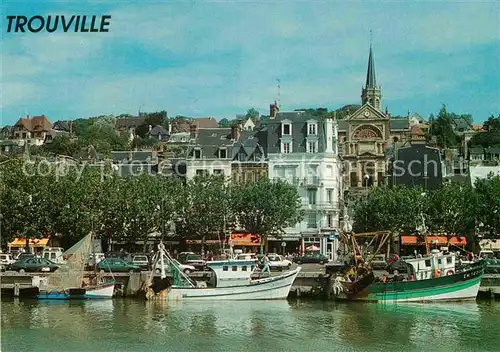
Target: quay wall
{"points": [[307, 284]]}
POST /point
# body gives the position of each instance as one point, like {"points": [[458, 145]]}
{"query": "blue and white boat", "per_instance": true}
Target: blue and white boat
{"points": [[230, 280], [67, 282]]}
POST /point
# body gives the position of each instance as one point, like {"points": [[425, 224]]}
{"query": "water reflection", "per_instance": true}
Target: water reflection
{"points": [[128, 325]]}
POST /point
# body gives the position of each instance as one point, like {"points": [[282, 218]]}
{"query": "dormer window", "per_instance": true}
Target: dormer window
{"points": [[197, 153], [311, 129], [222, 153], [242, 156], [286, 129]]}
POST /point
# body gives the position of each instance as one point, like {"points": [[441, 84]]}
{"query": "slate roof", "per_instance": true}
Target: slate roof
{"points": [[124, 157], [210, 140], [6, 132], [180, 137], [63, 125], [399, 124], [298, 120]]}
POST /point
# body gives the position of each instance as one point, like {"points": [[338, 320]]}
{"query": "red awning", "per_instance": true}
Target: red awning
{"points": [[433, 240]]}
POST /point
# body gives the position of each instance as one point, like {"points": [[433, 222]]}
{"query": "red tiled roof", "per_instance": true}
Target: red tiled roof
{"points": [[35, 123]]}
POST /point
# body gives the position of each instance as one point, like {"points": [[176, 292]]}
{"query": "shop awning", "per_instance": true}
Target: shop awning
{"points": [[245, 239], [206, 242], [433, 240], [33, 242]]}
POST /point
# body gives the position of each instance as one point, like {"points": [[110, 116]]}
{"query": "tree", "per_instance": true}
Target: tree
{"points": [[451, 209], [488, 205], [203, 211], [63, 145], [252, 114], [396, 209], [266, 208], [490, 137], [443, 128], [225, 123]]}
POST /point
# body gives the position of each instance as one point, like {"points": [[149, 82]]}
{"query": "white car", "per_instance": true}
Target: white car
{"points": [[185, 268], [279, 262]]}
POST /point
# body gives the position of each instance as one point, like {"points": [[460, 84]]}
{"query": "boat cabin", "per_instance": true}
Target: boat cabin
{"points": [[426, 266], [231, 272]]}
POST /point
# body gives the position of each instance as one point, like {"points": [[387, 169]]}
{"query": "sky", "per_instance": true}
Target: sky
{"points": [[221, 58]]}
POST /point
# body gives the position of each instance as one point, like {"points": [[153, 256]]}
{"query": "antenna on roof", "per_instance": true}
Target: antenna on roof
{"points": [[371, 38], [278, 99]]}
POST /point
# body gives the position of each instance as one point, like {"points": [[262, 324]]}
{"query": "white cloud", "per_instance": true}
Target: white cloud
{"points": [[231, 53]]}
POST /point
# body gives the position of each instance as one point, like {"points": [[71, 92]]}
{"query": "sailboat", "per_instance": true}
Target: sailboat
{"points": [[67, 282]]}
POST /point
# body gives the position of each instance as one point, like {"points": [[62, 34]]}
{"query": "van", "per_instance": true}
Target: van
{"points": [[54, 254], [6, 260]]}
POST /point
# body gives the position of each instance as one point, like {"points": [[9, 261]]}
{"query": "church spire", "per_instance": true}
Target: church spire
{"points": [[371, 93], [371, 82]]}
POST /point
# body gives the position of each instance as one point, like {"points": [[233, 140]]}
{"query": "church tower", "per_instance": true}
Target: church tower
{"points": [[371, 94]]}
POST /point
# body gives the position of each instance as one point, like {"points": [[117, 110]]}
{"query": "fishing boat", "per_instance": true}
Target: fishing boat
{"points": [[67, 282], [434, 277], [230, 280]]}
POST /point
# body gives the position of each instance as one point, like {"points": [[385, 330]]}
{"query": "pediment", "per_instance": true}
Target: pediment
{"points": [[367, 112], [285, 121], [311, 121], [370, 154]]}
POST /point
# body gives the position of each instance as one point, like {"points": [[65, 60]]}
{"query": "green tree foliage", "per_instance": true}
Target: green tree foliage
{"points": [[252, 114], [451, 209], [266, 207], [491, 135], [443, 128], [395, 209], [488, 205], [225, 123], [63, 145], [203, 212]]}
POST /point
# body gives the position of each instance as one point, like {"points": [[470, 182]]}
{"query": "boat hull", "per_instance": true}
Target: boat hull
{"points": [[104, 291], [271, 288], [462, 286]]}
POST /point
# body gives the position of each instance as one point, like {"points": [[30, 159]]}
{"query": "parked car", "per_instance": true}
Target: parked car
{"points": [[193, 260], [312, 257], [117, 265], [6, 260], [278, 262], [141, 261], [23, 255], [186, 269], [34, 264], [54, 254]]}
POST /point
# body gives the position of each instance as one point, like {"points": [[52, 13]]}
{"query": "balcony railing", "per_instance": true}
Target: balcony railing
{"points": [[321, 205]]}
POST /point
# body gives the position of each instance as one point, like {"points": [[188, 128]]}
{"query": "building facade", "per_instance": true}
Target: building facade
{"points": [[303, 151]]}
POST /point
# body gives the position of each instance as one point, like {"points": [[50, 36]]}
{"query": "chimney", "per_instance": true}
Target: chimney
{"points": [[273, 110], [170, 128], [150, 128], [235, 132], [329, 135], [193, 131]]}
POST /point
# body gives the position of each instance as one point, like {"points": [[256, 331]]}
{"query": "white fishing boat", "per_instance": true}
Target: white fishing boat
{"points": [[231, 280]]}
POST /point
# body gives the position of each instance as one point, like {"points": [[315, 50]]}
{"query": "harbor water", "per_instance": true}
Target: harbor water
{"points": [[129, 325]]}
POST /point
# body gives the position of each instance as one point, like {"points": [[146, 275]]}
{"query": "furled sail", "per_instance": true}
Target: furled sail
{"points": [[70, 275]]}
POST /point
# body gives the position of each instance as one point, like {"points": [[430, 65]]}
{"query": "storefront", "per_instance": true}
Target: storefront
{"points": [[35, 245], [410, 244], [328, 244], [285, 245], [247, 242]]}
